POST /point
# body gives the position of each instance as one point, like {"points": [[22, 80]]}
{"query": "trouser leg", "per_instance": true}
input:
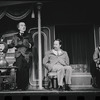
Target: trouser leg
{"points": [[68, 73], [60, 73], [19, 64], [22, 74]]}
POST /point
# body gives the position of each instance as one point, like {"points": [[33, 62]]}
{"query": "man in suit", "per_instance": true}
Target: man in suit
{"points": [[96, 67], [58, 60], [23, 43]]}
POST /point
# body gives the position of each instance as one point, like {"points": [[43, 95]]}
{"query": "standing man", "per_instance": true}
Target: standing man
{"points": [[23, 43], [96, 58], [58, 60]]}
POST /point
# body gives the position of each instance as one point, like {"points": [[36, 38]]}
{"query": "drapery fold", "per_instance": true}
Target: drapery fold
{"points": [[2, 12], [21, 16], [17, 12]]}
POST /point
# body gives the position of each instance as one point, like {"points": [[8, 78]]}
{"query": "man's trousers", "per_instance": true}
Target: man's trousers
{"points": [[63, 71]]}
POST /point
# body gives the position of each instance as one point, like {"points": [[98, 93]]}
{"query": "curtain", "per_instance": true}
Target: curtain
{"points": [[16, 12], [2, 12], [78, 41]]}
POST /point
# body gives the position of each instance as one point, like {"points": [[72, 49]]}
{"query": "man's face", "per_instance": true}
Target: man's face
{"points": [[2, 47], [22, 27], [56, 45], [99, 47]]}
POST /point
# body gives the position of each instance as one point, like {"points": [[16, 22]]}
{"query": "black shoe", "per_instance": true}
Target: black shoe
{"points": [[60, 88], [67, 88], [51, 89], [19, 89]]}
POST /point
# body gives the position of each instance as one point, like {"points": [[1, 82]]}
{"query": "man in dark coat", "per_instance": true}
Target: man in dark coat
{"points": [[23, 43], [96, 70]]}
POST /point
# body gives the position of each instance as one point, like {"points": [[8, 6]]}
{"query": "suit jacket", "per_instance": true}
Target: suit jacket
{"points": [[96, 55], [51, 59], [22, 45]]}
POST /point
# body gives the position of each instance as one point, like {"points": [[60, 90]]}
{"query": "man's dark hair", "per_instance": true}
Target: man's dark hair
{"points": [[60, 42], [19, 23]]}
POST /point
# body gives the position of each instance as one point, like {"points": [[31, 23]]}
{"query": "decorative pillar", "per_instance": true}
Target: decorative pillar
{"points": [[94, 37], [13, 77], [39, 4]]}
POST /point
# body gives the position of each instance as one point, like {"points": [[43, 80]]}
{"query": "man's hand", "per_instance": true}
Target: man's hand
{"points": [[30, 45], [20, 43], [62, 62]]}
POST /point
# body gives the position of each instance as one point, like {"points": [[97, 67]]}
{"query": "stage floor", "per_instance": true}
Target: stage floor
{"points": [[75, 94], [75, 91]]}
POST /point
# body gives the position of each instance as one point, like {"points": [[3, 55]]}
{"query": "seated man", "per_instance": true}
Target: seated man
{"points": [[58, 60]]}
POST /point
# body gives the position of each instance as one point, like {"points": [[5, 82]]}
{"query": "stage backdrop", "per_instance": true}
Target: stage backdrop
{"points": [[78, 41]]}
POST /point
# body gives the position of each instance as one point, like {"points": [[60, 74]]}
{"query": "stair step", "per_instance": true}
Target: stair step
{"points": [[81, 79]]}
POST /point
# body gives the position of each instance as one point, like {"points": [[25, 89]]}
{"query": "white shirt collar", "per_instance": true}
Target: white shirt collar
{"points": [[57, 53]]}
